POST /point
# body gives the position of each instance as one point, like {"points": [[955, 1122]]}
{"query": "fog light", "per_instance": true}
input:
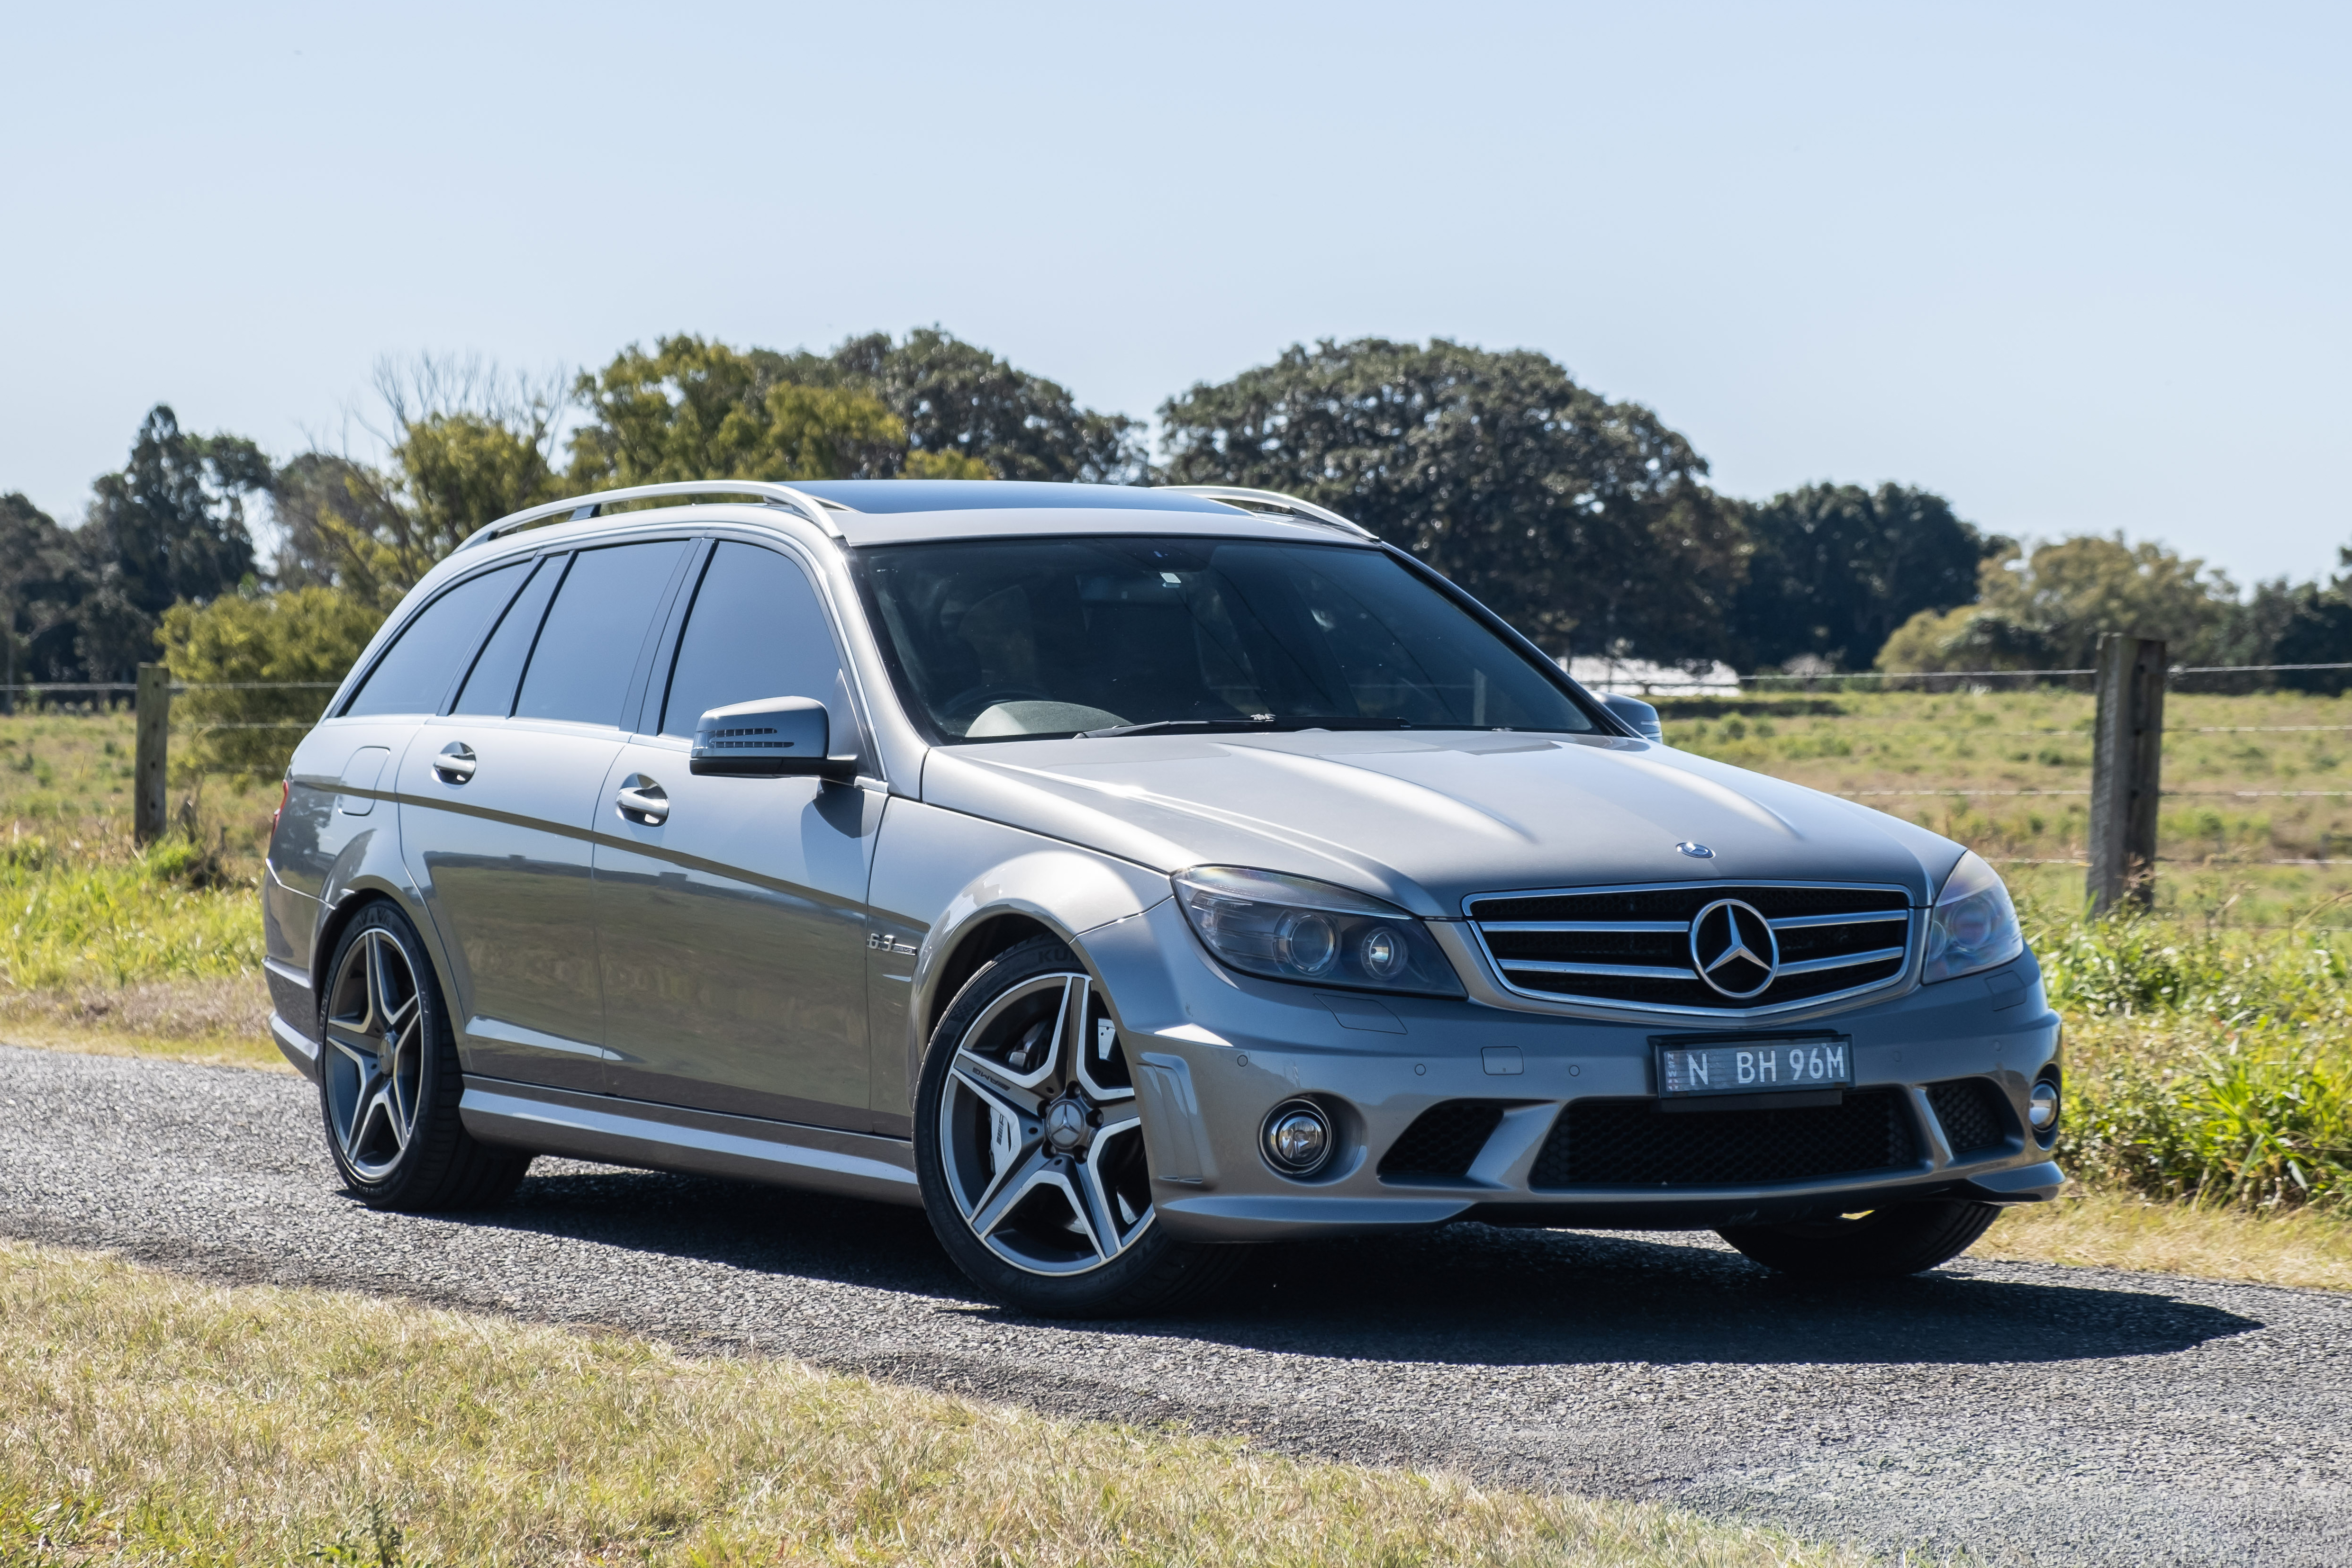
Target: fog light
{"points": [[2042, 1106], [1297, 1137]]}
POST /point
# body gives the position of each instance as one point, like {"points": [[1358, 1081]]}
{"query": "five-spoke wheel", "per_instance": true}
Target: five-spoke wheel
{"points": [[374, 1060], [1030, 1145], [389, 1080], [1041, 1141]]}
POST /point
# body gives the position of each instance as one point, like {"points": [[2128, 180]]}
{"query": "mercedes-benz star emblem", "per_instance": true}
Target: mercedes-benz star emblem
{"points": [[1733, 948], [1065, 1124]]}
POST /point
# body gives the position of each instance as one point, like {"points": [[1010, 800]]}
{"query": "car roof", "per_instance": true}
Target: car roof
{"points": [[904, 511], [862, 512], [1001, 495]]}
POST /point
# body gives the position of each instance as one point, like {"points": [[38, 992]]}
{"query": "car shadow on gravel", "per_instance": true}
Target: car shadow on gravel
{"points": [[1464, 1294]]}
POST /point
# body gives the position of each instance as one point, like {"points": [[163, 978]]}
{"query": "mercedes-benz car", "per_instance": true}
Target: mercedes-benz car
{"points": [[1122, 875]]}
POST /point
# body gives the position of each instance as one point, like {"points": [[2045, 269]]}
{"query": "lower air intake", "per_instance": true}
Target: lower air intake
{"points": [[1631, 1143], [1444, 1140], [1974, 1112]]}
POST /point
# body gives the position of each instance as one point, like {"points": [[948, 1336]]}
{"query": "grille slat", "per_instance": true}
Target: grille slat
{"points": [[1631, 947], [1974, 1112], [1631, 1143], [1444, 1140]]}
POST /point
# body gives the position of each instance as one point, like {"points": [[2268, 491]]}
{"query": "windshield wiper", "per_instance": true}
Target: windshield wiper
{"points": [[1264, 723]]}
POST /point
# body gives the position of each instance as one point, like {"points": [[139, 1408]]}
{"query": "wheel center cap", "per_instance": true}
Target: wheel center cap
{"points": [[384, 1050], [1065, 1124]]}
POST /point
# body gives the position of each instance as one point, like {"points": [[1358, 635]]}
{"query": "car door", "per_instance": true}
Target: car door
{"points": [[730, 932], [499, 796], [342, 769]]}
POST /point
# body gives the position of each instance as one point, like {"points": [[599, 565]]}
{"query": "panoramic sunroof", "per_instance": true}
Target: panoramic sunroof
{"points": [[1001, 494]]}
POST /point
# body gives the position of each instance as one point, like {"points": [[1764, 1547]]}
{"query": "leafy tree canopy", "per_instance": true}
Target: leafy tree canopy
{"points": [[969, 413], [43, 579], [694, 408], [170, 526], [2045, 608], [465, 446], [1586, 523], [1837, 567]]}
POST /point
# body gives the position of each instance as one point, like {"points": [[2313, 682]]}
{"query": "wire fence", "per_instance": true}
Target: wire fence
{"points": [[93, 695]]}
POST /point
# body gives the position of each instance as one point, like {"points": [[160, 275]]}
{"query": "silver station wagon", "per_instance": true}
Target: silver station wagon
{"points": [[1120, 874]]}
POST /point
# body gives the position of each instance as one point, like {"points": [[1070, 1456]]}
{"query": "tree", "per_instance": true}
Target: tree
{"points": [[2045, 608], [466, 446], [968, 413], [43, 581], [695, 409], [1586, 523], [1837, 568], [2316, 629], [170, 526]]}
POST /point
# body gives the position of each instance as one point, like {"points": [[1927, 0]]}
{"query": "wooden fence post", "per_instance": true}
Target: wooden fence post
{"points": [[148, 793], [2127, 765]]}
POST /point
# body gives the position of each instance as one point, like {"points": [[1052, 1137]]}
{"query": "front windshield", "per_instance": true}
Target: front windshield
{"points": [[998, 639]]}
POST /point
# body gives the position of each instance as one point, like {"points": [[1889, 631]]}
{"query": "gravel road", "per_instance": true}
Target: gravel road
{"points": [[2025, 1414]]}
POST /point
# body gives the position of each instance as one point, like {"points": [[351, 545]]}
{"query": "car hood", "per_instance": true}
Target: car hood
{"points": [[1426, 819]]}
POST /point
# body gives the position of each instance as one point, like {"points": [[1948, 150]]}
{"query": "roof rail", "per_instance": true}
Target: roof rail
{"points": [[580, 507], [1272, 501]]}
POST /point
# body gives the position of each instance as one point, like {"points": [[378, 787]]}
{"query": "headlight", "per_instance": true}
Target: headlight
{"points": [[1974, 925], [1291, 928]]}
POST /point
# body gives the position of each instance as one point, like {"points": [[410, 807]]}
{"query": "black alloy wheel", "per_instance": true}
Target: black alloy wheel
{"points": [[389, 1080]]}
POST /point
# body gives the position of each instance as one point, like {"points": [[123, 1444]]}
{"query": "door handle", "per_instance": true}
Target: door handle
{"points": [[642, 801], [455, 763]]}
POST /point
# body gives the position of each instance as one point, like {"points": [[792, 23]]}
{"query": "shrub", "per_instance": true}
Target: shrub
{"points": [[306, 635]]}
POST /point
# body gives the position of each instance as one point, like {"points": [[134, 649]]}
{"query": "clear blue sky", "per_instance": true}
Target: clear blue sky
{"points": [[2077, 267]]}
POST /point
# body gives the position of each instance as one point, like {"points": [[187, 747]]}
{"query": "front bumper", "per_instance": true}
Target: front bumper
{"points": [[1213, 1052]]}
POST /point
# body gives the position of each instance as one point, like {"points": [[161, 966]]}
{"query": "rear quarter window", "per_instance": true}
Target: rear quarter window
{"points": [[415, 673]]}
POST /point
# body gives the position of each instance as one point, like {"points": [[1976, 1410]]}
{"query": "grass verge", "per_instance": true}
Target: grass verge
{"points": [[2093, 1228], [221, 1021], [154, 1418]]}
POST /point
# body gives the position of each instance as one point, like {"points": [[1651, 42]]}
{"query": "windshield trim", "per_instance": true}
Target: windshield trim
{"points": [[859, 559]]}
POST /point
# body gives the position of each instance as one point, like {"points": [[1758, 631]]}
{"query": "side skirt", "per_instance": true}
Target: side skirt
{"points": [[703, 1143]]}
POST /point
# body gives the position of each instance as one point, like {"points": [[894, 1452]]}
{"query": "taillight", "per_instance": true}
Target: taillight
{"points": [[285, 793]]}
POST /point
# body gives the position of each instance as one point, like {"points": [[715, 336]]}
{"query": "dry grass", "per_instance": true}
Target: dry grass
{"points": [[224, 1020], [2118, 1230], [155, 1419]]}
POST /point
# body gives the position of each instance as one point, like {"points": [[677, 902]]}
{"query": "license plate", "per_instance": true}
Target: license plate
{"points": [[1755, 1066]]}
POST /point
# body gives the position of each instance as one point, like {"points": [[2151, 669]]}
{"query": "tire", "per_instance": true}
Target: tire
{"points": [[1909, 1239], [1029, 1148], [389, 1080]]}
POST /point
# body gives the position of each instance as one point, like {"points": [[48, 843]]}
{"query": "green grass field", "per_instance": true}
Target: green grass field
{"points": [[2252, 782]]}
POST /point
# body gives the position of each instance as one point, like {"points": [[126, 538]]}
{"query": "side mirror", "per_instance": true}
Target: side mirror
{"points": [[768, 738], [1639, 716]]}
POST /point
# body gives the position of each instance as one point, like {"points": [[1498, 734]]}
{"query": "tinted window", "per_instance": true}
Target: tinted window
{"points": [[588, 647], [756, 631], [490, 688], [997, 638], [414, 673]]}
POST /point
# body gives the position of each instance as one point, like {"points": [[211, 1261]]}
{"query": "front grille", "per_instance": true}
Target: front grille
{"points": [[1632, 946], [1444, 1140], [1974, 1112], [1631, 1143]]}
